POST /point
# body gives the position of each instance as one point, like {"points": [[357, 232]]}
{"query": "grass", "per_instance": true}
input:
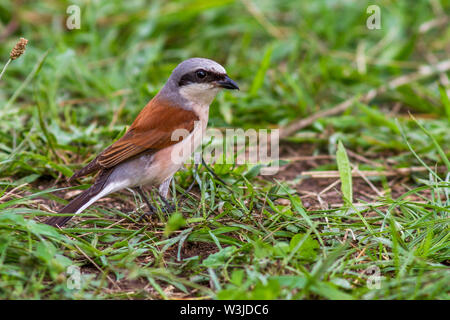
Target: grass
{"points": [[287, 236]]}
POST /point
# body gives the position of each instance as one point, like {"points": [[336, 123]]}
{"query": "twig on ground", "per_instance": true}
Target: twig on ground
{"points": [[329, 187], [347, 231], [371, 185], [387, 173], [426, 26], [308, 158], [98, 268], [423, 72], [362, 158]]}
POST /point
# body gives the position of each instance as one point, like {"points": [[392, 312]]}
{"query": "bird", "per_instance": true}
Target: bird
{"points": [[152, 150]]}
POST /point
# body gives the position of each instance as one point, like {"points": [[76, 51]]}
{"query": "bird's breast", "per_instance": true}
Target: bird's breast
{"points": [[166, 162], [154, 167]]}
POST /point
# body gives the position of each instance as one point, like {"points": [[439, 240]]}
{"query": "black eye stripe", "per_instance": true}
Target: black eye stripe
{"points": [[192, 77]]}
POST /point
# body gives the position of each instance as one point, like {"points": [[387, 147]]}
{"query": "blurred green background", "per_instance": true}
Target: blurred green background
{"points": [[75, 91], [291, 59]]}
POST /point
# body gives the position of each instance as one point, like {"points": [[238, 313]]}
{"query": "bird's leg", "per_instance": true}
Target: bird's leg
{"points": [[151, 208], [163, 192], [193, 182], [195, 173], [168, 207], [212, 172]]}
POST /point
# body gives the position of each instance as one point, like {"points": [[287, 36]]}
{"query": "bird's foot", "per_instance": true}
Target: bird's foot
{"points": [[148, 213], [168, 207]]}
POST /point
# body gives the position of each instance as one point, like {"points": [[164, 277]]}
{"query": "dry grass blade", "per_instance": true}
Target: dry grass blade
{"points": [[367, 173], [423, 72]]}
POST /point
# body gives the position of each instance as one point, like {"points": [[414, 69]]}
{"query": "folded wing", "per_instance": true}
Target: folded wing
{"points": [[151, 131]]}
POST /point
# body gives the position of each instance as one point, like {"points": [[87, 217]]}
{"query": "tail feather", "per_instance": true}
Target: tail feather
{"points": [[80, 201], [72, 207]]}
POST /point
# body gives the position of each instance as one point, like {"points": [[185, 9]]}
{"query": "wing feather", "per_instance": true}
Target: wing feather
{"points": [[151, 131]]}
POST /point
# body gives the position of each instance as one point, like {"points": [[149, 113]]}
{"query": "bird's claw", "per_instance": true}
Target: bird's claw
{"points": [[148, 213], [168, 208]]}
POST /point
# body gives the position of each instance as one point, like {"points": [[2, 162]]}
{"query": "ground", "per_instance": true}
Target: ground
{"points": [[316, 194]]}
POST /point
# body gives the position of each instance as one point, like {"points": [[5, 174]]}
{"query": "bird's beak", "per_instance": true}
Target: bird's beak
{"points": [[228, 83]]}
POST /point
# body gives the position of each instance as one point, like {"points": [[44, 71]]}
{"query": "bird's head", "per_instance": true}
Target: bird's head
{"points": [[198, 80]]}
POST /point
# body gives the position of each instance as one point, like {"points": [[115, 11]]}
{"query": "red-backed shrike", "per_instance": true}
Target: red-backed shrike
{"points": [[144, 154]]}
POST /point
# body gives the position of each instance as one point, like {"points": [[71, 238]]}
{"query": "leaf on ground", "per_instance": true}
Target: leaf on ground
{"points": [[345, 173], [307, 250], [176, 221], [219, 258]]}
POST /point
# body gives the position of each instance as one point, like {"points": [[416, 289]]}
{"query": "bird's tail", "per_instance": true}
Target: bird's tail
{"points": [[82, 201], [72, 207]]}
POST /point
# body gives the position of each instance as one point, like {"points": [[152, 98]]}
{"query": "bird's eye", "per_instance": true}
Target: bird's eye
{"points": [[200, 74]]}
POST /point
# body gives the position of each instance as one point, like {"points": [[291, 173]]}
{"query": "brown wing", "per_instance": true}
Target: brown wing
{"points": [[152, 130]]}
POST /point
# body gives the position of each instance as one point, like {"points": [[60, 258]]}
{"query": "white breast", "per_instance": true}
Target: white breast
{"points": [[153, 169], [165, 163]]}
